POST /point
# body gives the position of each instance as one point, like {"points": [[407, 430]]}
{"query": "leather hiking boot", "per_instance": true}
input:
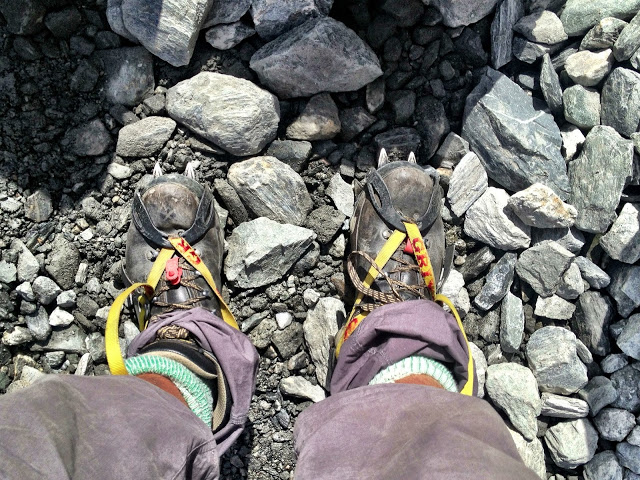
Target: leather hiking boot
{"points": [[175, 206]]}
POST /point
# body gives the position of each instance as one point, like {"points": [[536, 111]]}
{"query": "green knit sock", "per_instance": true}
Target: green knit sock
{"points": [[196, 392], [416, 365]]}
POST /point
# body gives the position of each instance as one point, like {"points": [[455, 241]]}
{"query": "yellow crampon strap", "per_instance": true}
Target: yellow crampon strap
{"points": [[112, 342], [426, 270]]}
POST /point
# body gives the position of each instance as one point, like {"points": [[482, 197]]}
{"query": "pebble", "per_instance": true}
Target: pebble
{"points": [[301, 388], [18, 336], [144, 138], [8, 272], [572, 140], [320, 328], [498, 282], [38, 323], [38, 207], [26, 292], [45, 290], [468, 183], [60, 318], [284, 319]]}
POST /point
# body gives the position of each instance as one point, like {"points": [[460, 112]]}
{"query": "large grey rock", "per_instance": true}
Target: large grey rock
{"points": [[628, 41], [489, 221], [144, 138], [571, 285], [70, 339], [596, 201], [511, 323], [468, 182], [551, 354], [228, 35], [589, 68], [592, 274], [272, 18], [594, 313], [629, 457], [318, 121], [614, 424], [543, 265], [603, 35], [621, 101], [582, 106], [517, 144], [300, 387], [624, 286], [497, 282], [626, 381], [456, 13], [476, 263], [529, 52], [538, 206], [320, 327], [321, 55], [598, 393], [579, 16], [88, 140], [532, 453], [572, 443], [570, 238], [542, 26], [603, 466], [64, 260], [262, 251], [128, 74], [622, 241], [550, 86], [226, 11], [231, 112], [513, 388], [560, 406], [270, 188], [629, 338], [507, 14], [554, 307]]}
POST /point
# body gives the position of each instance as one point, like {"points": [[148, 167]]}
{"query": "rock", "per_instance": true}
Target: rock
{"points": [[596, 201], [625, 287], [517, 144], [288, 340], [626, 381], [231, 112], [563, 407], [300, 387], [354, 121], [507, 14], [489, 328], [490, 222], [26, 292], [589, 68], [513, 388], [88, 140], [7, 272], [629, 339], [554, 307], [320, 327], [325, 221], [497, 282], [63, 23], [226, 36], [225, 11], [270, 188], [119, 172], [29, 376], [543, 265], [456, 13], [531, 453], [468, 183], [431, 123], [582, 106], [629, 456], [622, 241], [45, 290], [541, 27], [261, 335], [571, 443], [538, 206], [603, 466], [38, 323], [614, 424], [70, 339], [578, 16], [453, 289], [621, 101], [283, 319], [613, 362], [511, 323], [262, 251], [128, 74], [603, 35], [293, 153], [273, 18], [476, 263], [38, 206], [321, 55], [592, 274], [551, 354], [628, 41], [570, 238], [451, 152], [550, 86], [571, 286], [572, 140], [64, 260], [598, 393], [480, 363], [144, 138], [634, 436], [318, 121], [231, 200], [342, 195], [24, 17], [60, 318], [114, 17], [18, 336]]}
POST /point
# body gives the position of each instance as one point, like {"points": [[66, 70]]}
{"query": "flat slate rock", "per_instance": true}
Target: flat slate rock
{"points": [[559, 406], [543, 265], [507, 14], [621, 101], [497, 283], [628, 41], [321, 55], [516, 153], [468, 183], [624, 286], [603, 35], [542, 26], [622, 241], [550, 86], [604, 150], [579, 16], [231, 112], [554, 307]]}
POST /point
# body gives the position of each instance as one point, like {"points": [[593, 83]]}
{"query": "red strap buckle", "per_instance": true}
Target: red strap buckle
{"points": [[408, 247], [173, 272]]}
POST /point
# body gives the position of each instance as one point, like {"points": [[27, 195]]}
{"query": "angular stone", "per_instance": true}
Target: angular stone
{"points": [[634, 436], [18, 336], [354, 121], [38, 323], [7, 272], [626, 381], [480, 363], [572, 443], [468, 183], [300, 387], [582, 106], [579, 16], [342, 195], [596, 201], [629, 339], [24, 17], [529, 52], [128, 74], [614, 424], [559, 406], [543, 265], [497, 282], [507, 14], [144, 138], [570, 238], [60, 318], [598, 393], [70, 339], [572, 140], [228, 35], [64, 260], [541, 27], [625, 287], [451, 152], [88, 140], [592, 274], [629, 457], [114, 17], [550, 86], [490, 222], [262, 251], [621, 101], [603, 35], [287, 340], [320, 327], [231, 112], [476, 263], [613, 362], [226, 11], [321, 55], [628, 41], [589, 68], [273, 18], [551, 354], [318, 121], [532, 453], [119, 172], [571, 286], [431, 123], [622, 241], [38, 206], [538, 206], [513, 388], [511, 323], [456, 13], [270, 188], [554, 307], [489, 328], [45, 290], [325, 221], [594, 313], [603, 466], [517, 144]]}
